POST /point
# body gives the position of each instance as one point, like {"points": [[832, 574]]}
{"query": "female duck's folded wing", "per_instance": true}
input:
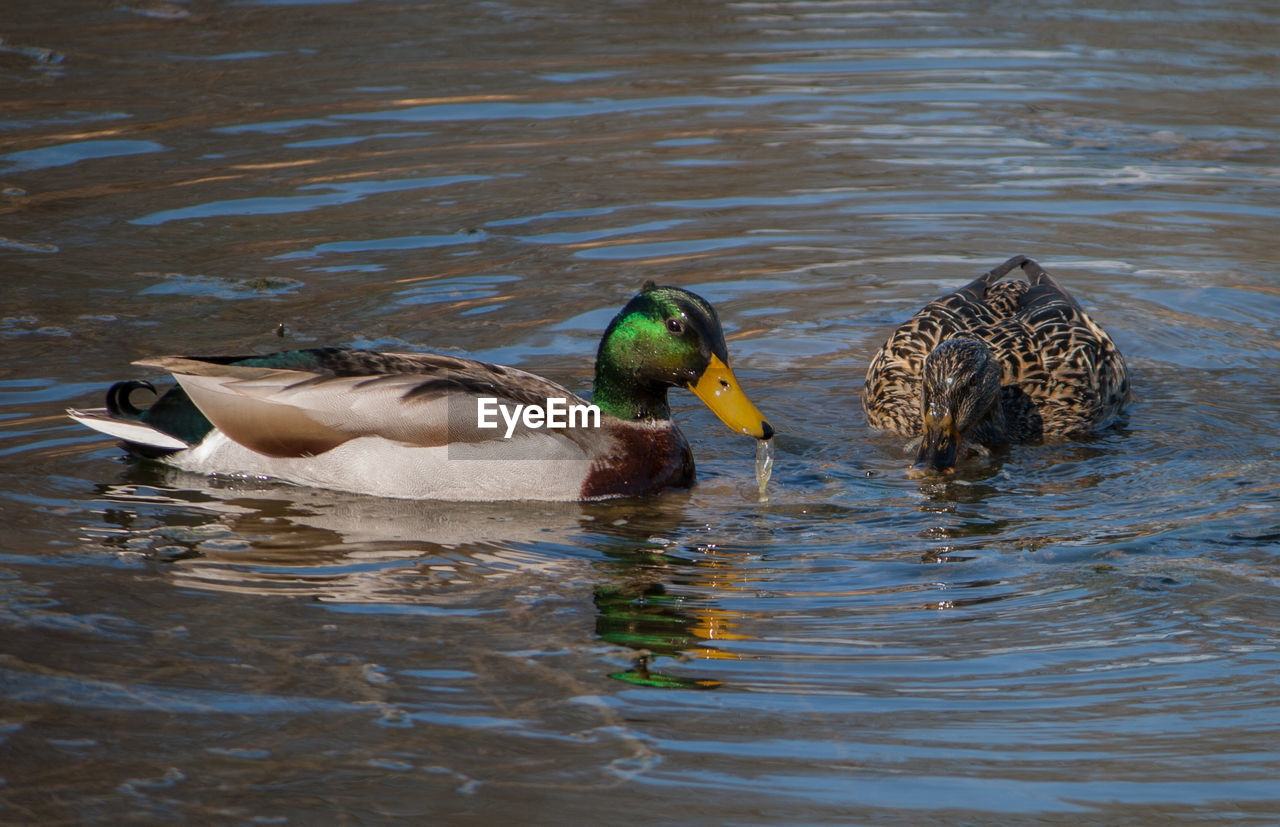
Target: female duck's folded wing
{"points": [[296, 413]]}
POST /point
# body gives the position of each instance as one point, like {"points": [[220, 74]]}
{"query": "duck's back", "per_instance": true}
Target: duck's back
{"points": [[1061, 374]]}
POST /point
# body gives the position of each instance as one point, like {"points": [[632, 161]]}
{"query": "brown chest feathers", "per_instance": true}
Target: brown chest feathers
{"points": [[645, 458]]}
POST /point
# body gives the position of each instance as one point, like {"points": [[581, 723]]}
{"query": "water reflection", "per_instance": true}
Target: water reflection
{"points": [[663, 609], [291, 541], [676, 606], [249, 537]]}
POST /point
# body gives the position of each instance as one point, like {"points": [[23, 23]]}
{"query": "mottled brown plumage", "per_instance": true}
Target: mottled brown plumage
{"points": [[1060, 375]]}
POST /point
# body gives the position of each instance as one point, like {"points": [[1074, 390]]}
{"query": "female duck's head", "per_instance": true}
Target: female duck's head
{"points": [[669, 337], [960, 390]]}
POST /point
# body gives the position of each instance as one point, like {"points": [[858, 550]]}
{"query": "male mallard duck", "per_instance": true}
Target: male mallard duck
{"points": [[995, 362], [410, 424]]}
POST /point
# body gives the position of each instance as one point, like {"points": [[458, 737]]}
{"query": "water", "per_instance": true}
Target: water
{"points": [[1072, 631]]}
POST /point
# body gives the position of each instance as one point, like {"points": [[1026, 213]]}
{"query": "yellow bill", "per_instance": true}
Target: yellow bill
{"points": [[719, 391]]}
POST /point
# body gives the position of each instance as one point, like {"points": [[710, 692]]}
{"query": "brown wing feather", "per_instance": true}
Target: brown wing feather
{"points": [[415, 399]]}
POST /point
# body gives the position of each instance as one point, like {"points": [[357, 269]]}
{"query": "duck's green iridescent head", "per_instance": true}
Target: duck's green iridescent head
{"points": [[960, 386], [667, 337]]}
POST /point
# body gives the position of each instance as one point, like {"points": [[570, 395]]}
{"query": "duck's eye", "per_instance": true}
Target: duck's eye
{"points": [[675, 326]]}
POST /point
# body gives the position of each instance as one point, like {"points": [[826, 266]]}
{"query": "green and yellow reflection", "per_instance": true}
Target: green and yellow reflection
{"points": [[648, 615]]}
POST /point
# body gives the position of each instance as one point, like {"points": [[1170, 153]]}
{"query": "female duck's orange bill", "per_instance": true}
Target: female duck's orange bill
{"points": [[940, 445]]}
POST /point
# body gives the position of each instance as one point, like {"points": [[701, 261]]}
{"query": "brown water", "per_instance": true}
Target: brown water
{"points": [[1080, 631]]}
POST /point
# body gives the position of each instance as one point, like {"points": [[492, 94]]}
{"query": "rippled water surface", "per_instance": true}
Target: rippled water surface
{"points": [[1062, 632]]}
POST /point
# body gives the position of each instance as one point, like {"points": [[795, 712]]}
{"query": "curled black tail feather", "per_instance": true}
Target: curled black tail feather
{"points": [[118, 403], [173, 413]]}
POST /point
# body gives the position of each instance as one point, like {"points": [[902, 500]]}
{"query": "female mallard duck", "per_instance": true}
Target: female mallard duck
{"points": [[427, 426], [995, 362]]}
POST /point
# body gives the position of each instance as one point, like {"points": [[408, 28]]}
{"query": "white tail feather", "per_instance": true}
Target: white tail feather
{"points": [[138, 433]]}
